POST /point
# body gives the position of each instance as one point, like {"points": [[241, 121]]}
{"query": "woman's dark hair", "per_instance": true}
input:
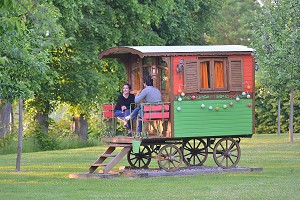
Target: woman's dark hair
{"points": [[129, 86], [148, 80]]}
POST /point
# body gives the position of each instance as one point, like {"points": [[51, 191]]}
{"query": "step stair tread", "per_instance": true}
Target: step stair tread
{"points": [[108, 155], [97, 165], [120, 145]]}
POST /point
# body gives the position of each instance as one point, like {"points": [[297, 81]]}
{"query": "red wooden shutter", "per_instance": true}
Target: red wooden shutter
{"points": [[236, 77], [191, 76]]}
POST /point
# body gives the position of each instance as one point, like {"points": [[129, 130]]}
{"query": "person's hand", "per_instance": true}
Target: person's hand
{"points": [[123, 108]]}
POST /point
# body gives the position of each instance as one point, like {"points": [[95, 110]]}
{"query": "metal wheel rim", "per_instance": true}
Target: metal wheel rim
{"points": [[141, 159], [169, 157], [195, 152], [227, 153]]}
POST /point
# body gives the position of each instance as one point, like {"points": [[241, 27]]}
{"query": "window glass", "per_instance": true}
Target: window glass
{"points": [[164, 81], [219, 74], [205, 74]]}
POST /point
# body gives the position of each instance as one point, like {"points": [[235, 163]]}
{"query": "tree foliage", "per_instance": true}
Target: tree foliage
{"points": [[277, 44], [49, 49], [233, 22], [25, 46]]}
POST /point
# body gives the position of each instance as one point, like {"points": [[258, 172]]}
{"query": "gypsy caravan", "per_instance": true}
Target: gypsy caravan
{"points": [[207, 105]]}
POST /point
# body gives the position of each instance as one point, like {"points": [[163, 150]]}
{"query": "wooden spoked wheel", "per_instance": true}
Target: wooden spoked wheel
{"points": [[195, 152], [141, 159], [169, 157], [227, 153]]}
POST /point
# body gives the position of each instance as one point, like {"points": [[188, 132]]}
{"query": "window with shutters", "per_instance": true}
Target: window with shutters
{"points": [[213, 74]]}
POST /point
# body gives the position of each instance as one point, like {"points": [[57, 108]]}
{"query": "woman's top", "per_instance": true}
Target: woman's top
{"points": [[122, 101]]}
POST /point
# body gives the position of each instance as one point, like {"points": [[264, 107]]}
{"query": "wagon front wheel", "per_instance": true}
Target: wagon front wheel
{"points": [[169, 157], [227, 153], [141, 159], [195, 152]]}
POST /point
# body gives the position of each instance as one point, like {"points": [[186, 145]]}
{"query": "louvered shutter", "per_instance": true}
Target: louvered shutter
{"points": [[191, 76], [236, 77]]}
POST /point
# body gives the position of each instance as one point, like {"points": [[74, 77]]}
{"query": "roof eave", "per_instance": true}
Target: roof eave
{"points": [[114, 51]]}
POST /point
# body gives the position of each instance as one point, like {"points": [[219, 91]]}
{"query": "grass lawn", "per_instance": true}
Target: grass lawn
{"points": [[44, 175]]}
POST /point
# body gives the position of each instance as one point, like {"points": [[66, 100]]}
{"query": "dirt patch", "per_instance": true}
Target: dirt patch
{"points": [[149, 173], [184, 171]]}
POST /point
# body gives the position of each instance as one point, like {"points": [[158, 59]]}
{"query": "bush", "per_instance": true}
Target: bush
{"points": [[266, 111]]}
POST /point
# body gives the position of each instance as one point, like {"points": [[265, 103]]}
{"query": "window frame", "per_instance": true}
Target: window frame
{"points": [[212, 74]]}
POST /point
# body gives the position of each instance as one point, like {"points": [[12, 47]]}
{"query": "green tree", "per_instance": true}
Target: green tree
{"points": [[233, 22], [277, 48], [27, 36], [24, 51]]}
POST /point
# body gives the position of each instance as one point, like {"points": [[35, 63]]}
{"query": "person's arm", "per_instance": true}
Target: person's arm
{"points": [[118, 104], [139, 97]]}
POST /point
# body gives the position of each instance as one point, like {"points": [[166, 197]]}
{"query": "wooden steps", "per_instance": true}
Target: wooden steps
{"points": [[115, 158]]}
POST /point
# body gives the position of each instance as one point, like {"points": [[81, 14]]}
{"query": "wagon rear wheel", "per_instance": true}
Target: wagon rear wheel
{"points": [[169, 157], [195, 152], [141, 159], [227, 153]]}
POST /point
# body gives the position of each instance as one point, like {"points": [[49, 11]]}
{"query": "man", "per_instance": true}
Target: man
{"points": [[149, 94]]}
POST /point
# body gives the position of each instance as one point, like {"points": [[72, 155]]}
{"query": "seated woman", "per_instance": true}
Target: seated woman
{"points": [[124, 102]]}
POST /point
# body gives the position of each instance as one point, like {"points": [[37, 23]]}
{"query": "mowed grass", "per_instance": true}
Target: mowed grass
{"points": [[44, 175]]}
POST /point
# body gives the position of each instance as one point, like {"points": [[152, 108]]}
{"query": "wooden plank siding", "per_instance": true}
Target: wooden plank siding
{"points": [[178, 77], [193, 121]]}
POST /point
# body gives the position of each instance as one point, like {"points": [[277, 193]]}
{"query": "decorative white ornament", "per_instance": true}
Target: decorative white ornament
{"points": [[237, 99], [210, 107], [243, 93], [202, 106], [178, 108], [248, 96], [179, 99], [182, 94]]}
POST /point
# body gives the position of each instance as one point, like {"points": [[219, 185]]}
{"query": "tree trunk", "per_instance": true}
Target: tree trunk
{"points": [[5, 118], [278, 117], [20, 136], [81, 126], [76, 124], [12, 127], [42, 119], [291, 129]]}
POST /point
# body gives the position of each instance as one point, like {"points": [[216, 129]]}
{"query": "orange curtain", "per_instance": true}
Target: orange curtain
{"points": [[219, 72], [204, 74]]}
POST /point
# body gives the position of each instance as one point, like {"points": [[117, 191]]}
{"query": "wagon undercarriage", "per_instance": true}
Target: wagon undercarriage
{"points": [[171, 154], [193, 152]]}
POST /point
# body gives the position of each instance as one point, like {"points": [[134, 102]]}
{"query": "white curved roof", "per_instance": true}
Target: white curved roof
{"points": [[188, 49], [143, 51]]}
